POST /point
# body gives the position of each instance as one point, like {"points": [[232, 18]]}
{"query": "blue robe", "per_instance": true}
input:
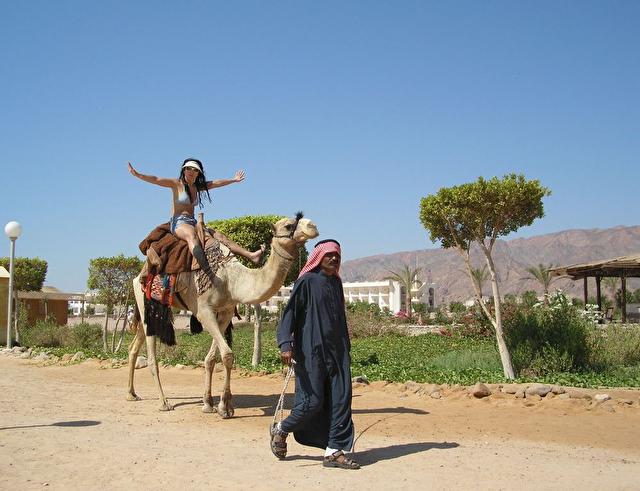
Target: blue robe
{"points": [[314, 322]]}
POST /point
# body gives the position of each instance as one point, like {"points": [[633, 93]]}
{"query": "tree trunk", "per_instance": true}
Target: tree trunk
{"points": [[505, 356], [257, 337], [495, 319], [119, 316], [104, 330]]}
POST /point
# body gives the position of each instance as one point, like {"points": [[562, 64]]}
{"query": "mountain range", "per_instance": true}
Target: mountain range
{"points": [[445, 268]]}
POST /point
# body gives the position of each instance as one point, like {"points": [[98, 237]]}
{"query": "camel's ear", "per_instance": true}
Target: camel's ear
{"points": [[273, 228]]}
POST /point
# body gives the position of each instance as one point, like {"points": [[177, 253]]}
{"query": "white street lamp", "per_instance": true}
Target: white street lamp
{"points": [[13, 230]]}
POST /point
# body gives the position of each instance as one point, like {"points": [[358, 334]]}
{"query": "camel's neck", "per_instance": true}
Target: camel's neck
{"points": [[258, 285]]}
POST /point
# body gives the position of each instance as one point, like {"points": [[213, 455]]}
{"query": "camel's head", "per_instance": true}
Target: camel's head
{"points": [[294, 231]]}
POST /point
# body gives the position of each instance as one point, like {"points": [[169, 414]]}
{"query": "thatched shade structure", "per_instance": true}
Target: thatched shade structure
{"points": [[620, 267]]}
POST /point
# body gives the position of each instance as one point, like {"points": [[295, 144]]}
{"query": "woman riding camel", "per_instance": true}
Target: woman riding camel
{"points": [[187, 191]]}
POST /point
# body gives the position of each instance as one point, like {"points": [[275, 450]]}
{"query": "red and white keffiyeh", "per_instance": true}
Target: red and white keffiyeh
{"points": [[318, 252]]}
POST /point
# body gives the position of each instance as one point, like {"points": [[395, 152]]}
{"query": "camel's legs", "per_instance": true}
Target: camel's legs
{"points": [[212, 323], [153, 366], [136, 343], [134, 349], [209, 365]]}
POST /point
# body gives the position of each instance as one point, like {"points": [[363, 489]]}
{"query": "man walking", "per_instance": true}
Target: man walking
{"points": [[313, 332]]}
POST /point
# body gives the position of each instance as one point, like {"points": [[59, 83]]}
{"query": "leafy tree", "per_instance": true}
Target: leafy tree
{"points": [[406, 276], [28, 275], [479, 212], [251, 232], [542, 274], [112, 278]]}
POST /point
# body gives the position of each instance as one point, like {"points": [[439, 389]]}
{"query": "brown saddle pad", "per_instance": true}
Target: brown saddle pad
{"points": [[171, 255], [167, 254]]}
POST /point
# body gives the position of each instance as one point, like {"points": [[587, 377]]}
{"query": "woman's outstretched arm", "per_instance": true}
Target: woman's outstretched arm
{"points": [[218, 183], [160, 181]]}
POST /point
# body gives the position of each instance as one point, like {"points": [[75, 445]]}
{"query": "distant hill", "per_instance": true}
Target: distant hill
{"points": [[445, 268]]}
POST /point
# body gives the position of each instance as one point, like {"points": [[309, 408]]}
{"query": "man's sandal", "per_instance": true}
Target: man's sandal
{"points": [[278, 442], [339, 460]]}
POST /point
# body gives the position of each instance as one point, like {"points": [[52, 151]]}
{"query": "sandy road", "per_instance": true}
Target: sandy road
{"points": [[70, 427]]}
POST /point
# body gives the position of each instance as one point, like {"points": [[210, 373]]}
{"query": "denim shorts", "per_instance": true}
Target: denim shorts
{"points": [[179, 220]]}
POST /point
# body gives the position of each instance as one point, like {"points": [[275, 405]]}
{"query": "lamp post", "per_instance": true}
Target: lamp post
{"points": [[13, 230]]}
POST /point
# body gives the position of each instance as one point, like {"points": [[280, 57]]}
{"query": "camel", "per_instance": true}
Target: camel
{"points": [[233, 284]]}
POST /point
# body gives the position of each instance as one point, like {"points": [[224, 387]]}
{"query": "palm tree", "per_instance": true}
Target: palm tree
{"points": [[479, 276], [406, 276], [542, 273]]}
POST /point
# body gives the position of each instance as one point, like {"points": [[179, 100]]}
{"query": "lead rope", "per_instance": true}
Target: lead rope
{"points": [[279, 412]]}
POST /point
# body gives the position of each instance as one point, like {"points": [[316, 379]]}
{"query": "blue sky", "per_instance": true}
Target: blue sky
{"points": [[349, 110]]}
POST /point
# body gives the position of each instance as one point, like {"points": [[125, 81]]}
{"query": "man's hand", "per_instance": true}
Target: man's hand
{"points": [[287, 357], [239, 177]]}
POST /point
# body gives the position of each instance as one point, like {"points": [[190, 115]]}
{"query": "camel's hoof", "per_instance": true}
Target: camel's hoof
{"points": [[225, 413], [207, 409], [166, 407], [133, 397]]}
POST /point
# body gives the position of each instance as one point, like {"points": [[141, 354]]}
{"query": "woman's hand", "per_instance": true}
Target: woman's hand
{"points": [[239, 177], [132, 170]]}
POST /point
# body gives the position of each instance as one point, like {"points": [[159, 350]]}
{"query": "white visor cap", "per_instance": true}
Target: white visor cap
{"points": [[191, 163]]}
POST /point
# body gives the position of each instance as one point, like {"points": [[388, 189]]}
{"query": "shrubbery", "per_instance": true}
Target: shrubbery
{"points": [[550, 342], [548, 337], [44, 334], [365, 319], [85, 335], [614, 346]]}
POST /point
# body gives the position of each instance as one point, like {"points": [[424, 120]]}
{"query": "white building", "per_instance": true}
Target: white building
{"points": [[385, 293]]}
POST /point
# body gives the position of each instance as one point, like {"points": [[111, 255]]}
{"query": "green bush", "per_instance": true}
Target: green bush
{"points": [[457, 308], [529, 298], [85, 336], [614, 346], [474, 324], [548, 338], [419, 308], [365, 319], [441, 317], [45, 335]]}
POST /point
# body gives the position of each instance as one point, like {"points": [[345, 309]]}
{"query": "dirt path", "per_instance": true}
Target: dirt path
{"points": [[70, 427]]}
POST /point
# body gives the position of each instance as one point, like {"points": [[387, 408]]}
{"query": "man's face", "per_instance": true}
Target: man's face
{"points": [[330, 263]]}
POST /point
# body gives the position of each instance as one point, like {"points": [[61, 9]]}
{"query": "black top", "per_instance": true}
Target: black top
{"points": [[314, 321]]}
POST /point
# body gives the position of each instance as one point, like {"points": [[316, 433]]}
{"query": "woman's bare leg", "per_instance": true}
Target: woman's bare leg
{"points": [[188, 234], [237, 249]]}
